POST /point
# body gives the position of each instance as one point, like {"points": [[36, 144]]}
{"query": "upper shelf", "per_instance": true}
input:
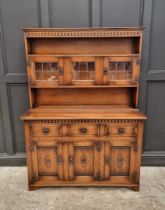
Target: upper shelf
{"points": [[59, 41]]}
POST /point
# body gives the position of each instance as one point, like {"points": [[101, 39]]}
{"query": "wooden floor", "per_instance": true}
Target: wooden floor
{"points": [[14, 194]]}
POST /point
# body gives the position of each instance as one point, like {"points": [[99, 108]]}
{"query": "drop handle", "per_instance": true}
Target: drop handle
{"points": [[83, 130], [45, 131], [121, 130]]}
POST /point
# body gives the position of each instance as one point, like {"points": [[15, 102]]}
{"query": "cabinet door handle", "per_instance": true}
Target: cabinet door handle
{"points": [[107, 160], [70, 160], [61, 71], [106, 71], [45, 130], [59, 160]]}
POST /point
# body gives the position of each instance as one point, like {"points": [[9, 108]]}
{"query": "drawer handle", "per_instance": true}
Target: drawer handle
{"points": [[46, 131], [107, 160], [83, 130], [121, 130], [70, 160], [59, 160]]}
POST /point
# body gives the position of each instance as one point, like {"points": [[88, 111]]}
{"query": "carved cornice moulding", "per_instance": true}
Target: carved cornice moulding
{"points": [[81, 34], [69, 121]]}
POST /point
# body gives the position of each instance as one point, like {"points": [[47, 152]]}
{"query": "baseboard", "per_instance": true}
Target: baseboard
{"points": [[153, 158], [148, 159], [18, 159]]}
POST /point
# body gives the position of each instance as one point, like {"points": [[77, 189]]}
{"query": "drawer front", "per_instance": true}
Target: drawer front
{"points": [[121, 130], [46, 130], [83, 130]]}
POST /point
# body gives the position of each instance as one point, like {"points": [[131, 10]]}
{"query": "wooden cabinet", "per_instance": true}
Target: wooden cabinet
{"points": [[83, 127]]}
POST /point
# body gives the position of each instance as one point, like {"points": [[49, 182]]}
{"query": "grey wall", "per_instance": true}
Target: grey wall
{"points": [[77, 13]]}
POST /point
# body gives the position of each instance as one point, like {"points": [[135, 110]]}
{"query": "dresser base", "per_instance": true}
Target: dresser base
{"points": [[131, 187]]}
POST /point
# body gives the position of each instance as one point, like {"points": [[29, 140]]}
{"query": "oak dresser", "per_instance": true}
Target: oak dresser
{"points": [[83, 127]]}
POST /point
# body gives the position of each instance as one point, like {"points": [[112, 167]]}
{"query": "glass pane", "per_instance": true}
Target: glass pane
{"points": [[83, 70], [120, 70], [46, 71]]}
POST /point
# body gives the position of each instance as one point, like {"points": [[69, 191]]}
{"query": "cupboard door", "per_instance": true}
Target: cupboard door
{"points": [[86, 161], [83, 70], [44, 159], [120, 70], [48, 160], [46, 71], [120, 161]]}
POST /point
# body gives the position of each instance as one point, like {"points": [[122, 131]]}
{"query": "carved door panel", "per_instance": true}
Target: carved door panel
{"points": [[49, 159], [86, 161], [44, 159], [46, 71], [122, 161]]}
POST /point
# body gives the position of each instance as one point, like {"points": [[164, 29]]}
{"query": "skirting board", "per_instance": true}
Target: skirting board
{"points": [[154, 158]]}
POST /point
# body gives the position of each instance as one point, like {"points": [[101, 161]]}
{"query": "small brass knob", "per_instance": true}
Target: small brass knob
{"points": [[45, 131]]}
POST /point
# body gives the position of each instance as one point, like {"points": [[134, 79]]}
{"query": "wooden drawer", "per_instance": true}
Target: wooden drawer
{"points": [[121, 130], [83, 130], [46, 130]]}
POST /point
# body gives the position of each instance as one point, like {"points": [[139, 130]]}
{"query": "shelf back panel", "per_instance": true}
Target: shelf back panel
{"points": [[80, 96], [68, 46]]}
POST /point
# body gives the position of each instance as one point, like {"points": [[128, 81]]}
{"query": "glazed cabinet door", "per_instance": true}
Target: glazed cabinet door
{"points": [[83, 70], [45, 71], [121, 70]]}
